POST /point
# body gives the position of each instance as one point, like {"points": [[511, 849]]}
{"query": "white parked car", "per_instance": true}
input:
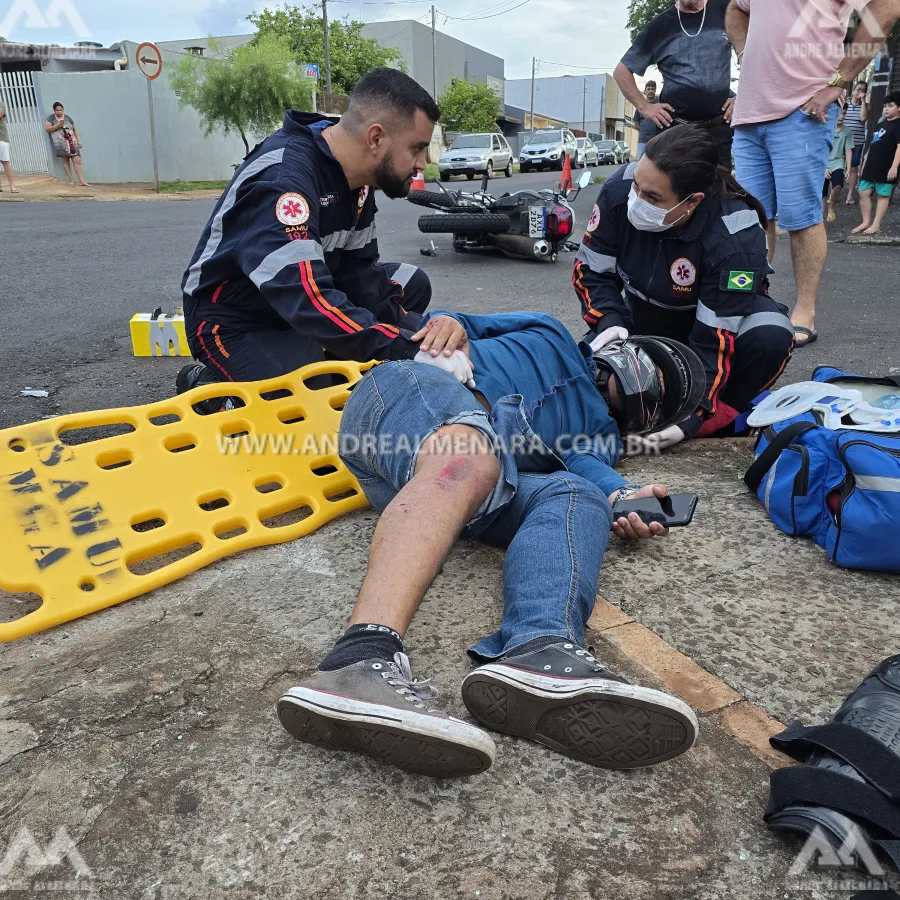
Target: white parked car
{"points": [[548, 149], [475, 154], [587, 153]]}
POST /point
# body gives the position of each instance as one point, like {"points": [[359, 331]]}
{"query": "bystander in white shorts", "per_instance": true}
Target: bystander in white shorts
{"points": [[4, 151]]}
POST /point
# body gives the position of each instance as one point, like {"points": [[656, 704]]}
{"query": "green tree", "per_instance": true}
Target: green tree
{"points": [[640, 12], [248, 91], [352, 55], [468, 106]]}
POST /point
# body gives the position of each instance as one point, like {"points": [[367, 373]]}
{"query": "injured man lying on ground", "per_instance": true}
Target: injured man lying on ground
{"points": [[520, 458]]}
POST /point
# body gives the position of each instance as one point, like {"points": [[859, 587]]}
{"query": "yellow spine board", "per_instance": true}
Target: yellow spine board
{"points": [[89, 522]]}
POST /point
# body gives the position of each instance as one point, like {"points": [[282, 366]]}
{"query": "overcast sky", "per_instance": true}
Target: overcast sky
{"points": [[583, 33]]}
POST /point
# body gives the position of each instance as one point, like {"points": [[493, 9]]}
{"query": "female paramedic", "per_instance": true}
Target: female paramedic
{"points": [[676, 248]]}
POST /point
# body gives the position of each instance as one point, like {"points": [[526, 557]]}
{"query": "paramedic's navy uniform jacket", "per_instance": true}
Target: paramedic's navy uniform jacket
{"points": [[290, 245], [705, 284]]}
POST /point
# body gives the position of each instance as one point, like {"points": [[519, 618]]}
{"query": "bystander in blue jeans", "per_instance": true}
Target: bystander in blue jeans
{"points": [[554, 524], [782, 163]]}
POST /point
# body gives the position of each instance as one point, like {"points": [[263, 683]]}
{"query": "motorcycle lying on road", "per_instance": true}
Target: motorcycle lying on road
{"points": [[524, 225]]}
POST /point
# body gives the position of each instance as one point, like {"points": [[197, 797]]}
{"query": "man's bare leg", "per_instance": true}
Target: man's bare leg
{"points": [[771, 237], [422, 523], [369, 701], [809, 251]]}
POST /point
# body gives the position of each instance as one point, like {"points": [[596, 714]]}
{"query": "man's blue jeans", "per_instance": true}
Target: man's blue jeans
{"points": [[554, 525], [783, 163]]}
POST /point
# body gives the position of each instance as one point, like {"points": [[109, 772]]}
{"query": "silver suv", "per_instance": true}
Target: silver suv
{"points": [[548, 149], [475, 154]]}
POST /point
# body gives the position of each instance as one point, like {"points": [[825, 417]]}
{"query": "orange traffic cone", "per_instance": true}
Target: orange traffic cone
{"points": [[418, 183], [565, 180]]}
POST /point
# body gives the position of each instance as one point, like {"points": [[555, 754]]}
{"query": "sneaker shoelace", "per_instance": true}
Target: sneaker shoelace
{"points": [[401, 678], [590, 657]]}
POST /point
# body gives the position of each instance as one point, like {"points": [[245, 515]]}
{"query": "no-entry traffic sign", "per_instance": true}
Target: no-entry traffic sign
{"points": [[149, 60]]}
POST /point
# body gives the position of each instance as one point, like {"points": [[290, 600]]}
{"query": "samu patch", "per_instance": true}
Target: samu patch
{"points": [[292, 209], [741, 280]]}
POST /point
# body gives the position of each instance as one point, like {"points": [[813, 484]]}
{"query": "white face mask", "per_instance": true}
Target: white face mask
{"points": [[647, 217]]}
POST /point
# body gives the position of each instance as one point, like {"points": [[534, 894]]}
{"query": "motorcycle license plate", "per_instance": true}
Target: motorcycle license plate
{"points": [[536, 221]]}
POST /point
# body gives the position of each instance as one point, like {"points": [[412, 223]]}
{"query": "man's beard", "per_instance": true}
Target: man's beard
{"points": [[392, 185]]}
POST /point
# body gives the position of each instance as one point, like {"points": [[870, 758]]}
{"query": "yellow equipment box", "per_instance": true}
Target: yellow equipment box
{"points": [[153, 334], [88, 520]]}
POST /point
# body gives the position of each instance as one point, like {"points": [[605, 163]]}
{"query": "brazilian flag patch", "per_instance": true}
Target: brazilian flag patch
{"points": [[741, 281]]}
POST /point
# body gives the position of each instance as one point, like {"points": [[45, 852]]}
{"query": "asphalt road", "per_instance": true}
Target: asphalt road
{"points": [[73, 274]]}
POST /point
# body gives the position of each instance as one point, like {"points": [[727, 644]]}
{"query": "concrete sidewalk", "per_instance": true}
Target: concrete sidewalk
{"points": [[46, 187], [148, 731]]}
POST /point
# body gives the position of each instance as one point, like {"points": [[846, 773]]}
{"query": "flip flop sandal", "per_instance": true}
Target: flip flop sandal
{"points": [[811, 336]]}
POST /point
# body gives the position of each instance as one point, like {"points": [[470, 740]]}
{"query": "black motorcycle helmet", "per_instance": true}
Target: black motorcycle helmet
{"points": [[660, 382]]}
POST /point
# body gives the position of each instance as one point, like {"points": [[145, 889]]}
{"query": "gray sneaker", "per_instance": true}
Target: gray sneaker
{"points": [[377, 708], [562, 697]]}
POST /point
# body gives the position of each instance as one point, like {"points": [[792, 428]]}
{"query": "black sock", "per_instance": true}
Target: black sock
{"points": [[361, 642], [536, 644]]}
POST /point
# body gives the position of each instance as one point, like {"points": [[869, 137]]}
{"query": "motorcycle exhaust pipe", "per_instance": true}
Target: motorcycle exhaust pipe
{"points": [[522, 247]]}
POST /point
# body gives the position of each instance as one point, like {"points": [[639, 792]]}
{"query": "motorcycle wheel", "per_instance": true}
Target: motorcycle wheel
{"points": [[464, 223], [508, 170], [430, 199]]}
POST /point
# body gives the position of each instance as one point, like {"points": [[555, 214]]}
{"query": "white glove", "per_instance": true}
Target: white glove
{"points": [[457, 365], [615, 333], [649, 444]]}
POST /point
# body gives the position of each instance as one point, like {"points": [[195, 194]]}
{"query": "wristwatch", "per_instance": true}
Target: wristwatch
{"points": [[838, 81]]}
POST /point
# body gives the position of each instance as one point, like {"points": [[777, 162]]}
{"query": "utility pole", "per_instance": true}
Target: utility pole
{"points": [[533, 68], [433, 54], [584, 105], [327, 50]]}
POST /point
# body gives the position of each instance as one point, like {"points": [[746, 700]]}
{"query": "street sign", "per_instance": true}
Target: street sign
{"points": [[149, 60], [311, 71]]}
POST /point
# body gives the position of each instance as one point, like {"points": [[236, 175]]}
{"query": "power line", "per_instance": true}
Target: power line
{"points": [[570, 66], [488, 9], [493, 16]]}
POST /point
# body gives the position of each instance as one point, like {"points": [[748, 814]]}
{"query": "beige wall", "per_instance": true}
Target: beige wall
{"points": [[619, 113]]}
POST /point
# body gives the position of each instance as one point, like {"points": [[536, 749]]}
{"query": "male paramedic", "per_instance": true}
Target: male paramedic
{"points": [[287, 267]]}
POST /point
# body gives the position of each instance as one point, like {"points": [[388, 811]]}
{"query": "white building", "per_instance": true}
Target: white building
{"points": [[579, 100]]}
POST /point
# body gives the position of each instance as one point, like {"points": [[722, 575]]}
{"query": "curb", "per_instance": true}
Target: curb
{"points": [[743, 721], [883, 240]]}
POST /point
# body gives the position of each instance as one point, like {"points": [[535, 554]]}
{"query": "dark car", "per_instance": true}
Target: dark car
{"points": [[608, 153]]}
